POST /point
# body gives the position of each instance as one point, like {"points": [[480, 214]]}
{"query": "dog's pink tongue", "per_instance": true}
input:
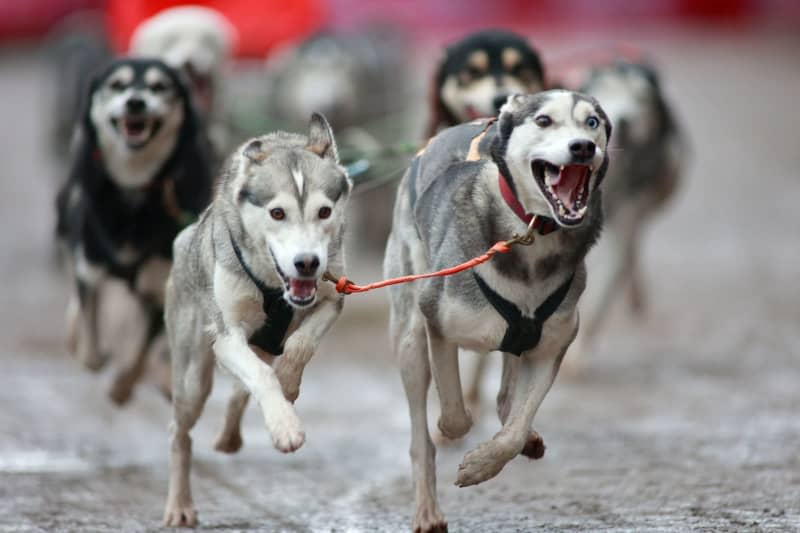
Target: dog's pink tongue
{"points": [[302, 288], [568, 181]]}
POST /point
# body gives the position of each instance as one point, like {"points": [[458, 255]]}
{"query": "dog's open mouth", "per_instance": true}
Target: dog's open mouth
{"points": [[566, 188], [302, 291], [136, 130]]}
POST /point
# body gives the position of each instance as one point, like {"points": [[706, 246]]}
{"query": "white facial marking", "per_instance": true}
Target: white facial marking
{"points": [[298, 180], [477, 98]]}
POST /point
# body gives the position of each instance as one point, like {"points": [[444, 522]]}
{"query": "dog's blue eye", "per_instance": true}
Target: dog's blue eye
{"points": [[592, 122], [543, 121]]}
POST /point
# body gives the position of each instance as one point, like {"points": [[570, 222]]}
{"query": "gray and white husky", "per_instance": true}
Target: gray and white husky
{"points": [[650, 153], [245, 288], [473, 185]]}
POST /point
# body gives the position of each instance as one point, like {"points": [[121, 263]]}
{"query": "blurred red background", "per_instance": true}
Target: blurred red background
{"points": [[264, 23]]}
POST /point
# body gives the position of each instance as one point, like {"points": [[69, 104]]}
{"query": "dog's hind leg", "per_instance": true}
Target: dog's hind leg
{"points": [[508, 381], [537, 371], [472, 394], [192, 376], [230, 438], [534, 446], [412, 357], [454, 420]]}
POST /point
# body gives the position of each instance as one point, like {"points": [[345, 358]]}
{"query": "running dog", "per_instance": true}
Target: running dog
{"points": [[642, 177], [478, 73], [199, 41], [139, 175], [539, 164], [245, 288]]}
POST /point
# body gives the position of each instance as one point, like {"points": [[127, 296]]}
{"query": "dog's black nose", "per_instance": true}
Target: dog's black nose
{"points": [[306, 264], [582, 148], [498, 101], [134, 105]]}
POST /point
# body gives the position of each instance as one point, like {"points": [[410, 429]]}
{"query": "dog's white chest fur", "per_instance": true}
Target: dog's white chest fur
{"points": [[238, 300]]}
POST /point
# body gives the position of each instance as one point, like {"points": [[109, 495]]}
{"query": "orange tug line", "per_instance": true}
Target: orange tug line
{"points": [[345, 286]]}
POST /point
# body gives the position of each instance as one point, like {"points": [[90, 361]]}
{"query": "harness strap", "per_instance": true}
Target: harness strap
{"points": [[269, 337], [523, 333]]}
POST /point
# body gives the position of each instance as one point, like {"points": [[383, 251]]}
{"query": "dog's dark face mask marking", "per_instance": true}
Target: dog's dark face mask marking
{"points": [[480, 72], [135, 103]]}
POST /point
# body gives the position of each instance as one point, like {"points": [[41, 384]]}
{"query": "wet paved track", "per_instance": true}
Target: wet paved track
{"points": [[687, 420]]}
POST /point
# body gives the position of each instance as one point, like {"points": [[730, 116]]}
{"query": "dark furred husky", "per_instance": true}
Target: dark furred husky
{"points": [[140, 174], [478, 73]]}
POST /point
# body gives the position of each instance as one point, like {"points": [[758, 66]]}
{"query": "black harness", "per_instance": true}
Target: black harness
{"points": [[270, 336], [523, 333]]}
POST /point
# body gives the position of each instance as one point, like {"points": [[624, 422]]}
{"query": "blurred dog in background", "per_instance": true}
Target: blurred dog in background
{"points": [[358, 80], [199, 41], [139, 174], [74, 49], [649, 156], [478, 73]]}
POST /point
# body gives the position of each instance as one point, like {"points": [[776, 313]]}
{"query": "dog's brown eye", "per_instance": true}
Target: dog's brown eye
{"points": [[117, 86], [158, 87], [324, 212], [543, 121], [277, 213]]}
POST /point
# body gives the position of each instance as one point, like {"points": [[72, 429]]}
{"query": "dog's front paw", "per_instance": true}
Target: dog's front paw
{"points": [[180, 514], [429, 519], [284, 426], [484, 462], [534, 446], [289, 375]]}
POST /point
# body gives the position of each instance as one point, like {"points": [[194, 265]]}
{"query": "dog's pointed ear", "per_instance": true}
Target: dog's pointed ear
{"points": [[254, 151], [320, 138]]}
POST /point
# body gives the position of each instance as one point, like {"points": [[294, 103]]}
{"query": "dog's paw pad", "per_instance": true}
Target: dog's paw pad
{"points": [[180, 516], [429, 519], [534, 446], [229, 442]]}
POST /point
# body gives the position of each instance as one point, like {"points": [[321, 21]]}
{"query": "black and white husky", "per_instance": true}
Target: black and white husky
{"points": [[245, 288], [650, 154], [476, 184], [478, 73], [139, 175]]}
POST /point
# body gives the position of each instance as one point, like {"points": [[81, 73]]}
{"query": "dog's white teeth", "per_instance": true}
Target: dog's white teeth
{"points": [[561, 168]]}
